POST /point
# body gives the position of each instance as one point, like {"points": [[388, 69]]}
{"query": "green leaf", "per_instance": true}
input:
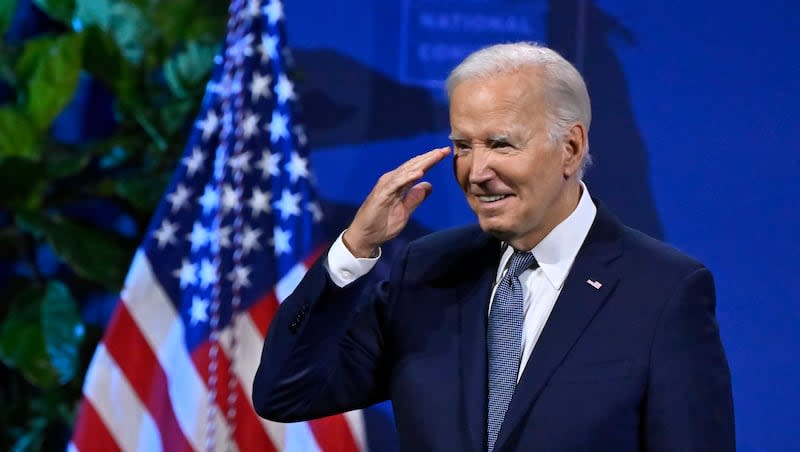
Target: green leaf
{"points": [[63, 330], [143, 192], [32, 439], [34, 51], [124, 21], [131, 30], [94, 12], [63, 163], [57, 9], [103, 59], [23, 183], [55, 79], [189, 68], [22, 345], [7, 8], [176, 115], [93, 254], [18, 137]]}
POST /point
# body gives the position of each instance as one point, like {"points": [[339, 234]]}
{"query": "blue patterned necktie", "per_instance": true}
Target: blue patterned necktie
{"points": [[505, 341]]}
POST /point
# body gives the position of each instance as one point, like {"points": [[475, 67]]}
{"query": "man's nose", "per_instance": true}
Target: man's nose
{"points": [[480, 169]]}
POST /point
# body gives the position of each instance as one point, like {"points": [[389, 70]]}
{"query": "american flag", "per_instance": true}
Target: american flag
{"points": [[234, 234]]}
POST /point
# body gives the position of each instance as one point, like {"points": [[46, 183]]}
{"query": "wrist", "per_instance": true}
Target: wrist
{"points": [[357, 248]]}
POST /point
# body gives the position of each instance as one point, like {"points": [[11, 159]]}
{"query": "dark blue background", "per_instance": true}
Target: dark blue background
{"points": [[695, 140]]}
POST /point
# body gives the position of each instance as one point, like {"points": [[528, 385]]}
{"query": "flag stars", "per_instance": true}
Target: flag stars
{"points": [[199, 310], [209, 200], [278, 127], [282, 241], [297, 167], [269, 164], [268, 48], [316, 211], [250, 124], [194, 162], [230, 198], [199, 236], [165, 234], [240, 162], [177, 199], [260, 201], [289, 204], [254, 8], [208, 273], [284, 89], [209, 124], [223, 239], [259, 86], [250, 239], [274, 11], [187, 274], [300, 133], [240, 277], [242, 48]]}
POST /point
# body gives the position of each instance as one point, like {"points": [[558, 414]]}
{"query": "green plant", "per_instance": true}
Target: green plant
{"points": [[154, 58]]}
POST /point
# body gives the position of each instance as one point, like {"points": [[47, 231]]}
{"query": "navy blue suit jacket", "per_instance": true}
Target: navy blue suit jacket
{"points": [[636, 364]]}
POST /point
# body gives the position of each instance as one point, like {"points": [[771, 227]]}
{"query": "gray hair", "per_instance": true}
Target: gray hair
{"points": [[564, 87]]}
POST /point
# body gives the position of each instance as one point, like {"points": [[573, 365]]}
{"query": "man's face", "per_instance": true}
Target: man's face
{"points": [[516, 180]]}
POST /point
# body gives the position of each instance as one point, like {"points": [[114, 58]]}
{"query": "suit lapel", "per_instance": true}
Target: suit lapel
{"points": [[577, 304], [473, 296]]}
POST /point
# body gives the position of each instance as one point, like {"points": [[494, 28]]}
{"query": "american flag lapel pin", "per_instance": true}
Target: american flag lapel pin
{"points": [[596, 284]]}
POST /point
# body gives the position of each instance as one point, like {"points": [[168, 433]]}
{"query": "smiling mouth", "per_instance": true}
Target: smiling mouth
{"points": [[491, 198]]}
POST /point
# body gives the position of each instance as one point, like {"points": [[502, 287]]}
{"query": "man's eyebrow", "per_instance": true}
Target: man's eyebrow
{"points": [[503, 138]]}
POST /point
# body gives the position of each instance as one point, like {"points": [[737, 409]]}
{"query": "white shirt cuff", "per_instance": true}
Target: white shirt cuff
{"points": [[343, 267]]}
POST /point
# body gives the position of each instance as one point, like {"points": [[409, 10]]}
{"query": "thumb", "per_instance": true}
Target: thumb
{"points": [[416, 195]]}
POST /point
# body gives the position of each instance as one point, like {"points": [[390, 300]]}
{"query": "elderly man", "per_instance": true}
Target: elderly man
{"points": [[551, 326]]}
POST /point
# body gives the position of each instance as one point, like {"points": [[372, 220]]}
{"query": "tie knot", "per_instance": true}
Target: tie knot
{"points": [[521, 261]]}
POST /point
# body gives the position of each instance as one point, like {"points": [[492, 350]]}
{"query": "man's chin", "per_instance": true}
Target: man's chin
{"points": [[497, 231]]}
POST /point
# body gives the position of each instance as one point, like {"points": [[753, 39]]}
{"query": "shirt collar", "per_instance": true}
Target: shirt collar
{"points": [[556, 252]]}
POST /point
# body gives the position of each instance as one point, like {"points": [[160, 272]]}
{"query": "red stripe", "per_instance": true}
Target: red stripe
{"points": [[136, 360], [90, 433], [315, 255], [333, 434], [263, 311], [249, 433]]}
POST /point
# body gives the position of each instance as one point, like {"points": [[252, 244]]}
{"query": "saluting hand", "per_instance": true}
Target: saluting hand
{"points": [[385, 212]]}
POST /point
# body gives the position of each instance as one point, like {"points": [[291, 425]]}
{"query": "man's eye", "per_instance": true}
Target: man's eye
{"points": [[499, 144]]}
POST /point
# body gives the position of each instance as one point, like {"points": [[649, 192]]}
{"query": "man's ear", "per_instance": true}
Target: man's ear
{"points": [[574, 147]]}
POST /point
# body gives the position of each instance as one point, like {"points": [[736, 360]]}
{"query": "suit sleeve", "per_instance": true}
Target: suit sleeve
{"points": [[689, 405], [324, 352]]}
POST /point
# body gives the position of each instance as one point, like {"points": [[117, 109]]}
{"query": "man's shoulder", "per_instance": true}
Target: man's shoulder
{"points": [[451, 250], [451, 238], [640, 252], [651, 254]]}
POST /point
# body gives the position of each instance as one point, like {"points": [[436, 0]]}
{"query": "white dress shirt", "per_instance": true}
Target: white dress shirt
{"points": [[541, 287]]}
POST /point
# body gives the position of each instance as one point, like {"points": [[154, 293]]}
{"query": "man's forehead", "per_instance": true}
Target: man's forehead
{"points": [[499, 134]]}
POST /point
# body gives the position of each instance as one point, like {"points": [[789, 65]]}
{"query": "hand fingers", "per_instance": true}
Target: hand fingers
{"points": [[427, 160], [416, 195], [411, 171]]}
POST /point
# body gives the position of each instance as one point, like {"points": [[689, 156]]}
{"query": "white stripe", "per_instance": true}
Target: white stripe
{"points": [[249, 342], [286, 285], [355, 420], [299, 438], [117, 404], [163, 330]]}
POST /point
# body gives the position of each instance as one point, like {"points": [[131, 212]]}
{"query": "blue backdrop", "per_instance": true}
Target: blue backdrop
{"points": [[694, 138]]}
